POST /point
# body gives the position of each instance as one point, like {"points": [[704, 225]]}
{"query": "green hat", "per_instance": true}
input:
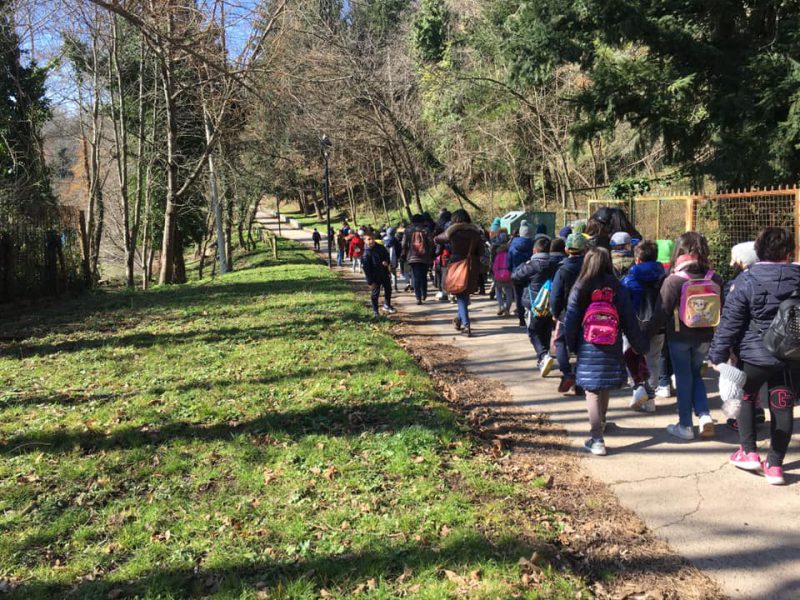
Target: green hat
{"points": [[665, 248], [576, 242]]}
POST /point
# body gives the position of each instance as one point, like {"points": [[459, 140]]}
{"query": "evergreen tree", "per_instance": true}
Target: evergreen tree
{"points": [[23, 110]]}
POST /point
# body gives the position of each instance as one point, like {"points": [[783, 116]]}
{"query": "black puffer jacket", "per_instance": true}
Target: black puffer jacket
{"points": [[754, 296], [534, 273]]}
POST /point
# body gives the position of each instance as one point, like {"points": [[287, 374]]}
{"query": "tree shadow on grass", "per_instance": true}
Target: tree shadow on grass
{"points": [[86, 312], [340, 573], [283, 377], [329, 419], [306, 328]]}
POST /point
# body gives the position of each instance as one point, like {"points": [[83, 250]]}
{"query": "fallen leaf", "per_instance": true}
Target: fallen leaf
{"points": [[330, 473], [454, 577], [419, 459], [371, 584], [407, 574], [444, 531]]}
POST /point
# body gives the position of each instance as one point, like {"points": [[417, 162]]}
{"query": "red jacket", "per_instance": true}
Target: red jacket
{"points": [[356, 249]]}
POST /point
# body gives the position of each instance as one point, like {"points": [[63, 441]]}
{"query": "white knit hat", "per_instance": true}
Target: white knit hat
{"points": [[744, 254]]}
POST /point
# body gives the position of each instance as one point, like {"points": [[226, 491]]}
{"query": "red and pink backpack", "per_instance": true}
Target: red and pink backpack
{"points": [[500, 270], [601, 320]]}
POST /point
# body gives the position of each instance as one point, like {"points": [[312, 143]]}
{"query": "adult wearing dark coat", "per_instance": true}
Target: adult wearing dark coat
{"points": [[418, 248], [520, 251], [751, 304], [466, 243]]}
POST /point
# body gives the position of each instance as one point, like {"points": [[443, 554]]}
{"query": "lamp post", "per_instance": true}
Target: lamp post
{"points": [[325, 146]]}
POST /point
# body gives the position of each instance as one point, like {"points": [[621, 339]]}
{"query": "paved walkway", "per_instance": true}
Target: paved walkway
{"points": [[733, 525]]}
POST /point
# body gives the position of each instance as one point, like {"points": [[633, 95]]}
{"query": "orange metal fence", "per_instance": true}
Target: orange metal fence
{"points": [[725, 218]]}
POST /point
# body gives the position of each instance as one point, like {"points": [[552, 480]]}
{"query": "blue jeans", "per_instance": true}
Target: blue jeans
{"points": [[339, 257], [463, 308], [687, 362], [419, 274], [504, 292], [562, 353], [664, 368]]}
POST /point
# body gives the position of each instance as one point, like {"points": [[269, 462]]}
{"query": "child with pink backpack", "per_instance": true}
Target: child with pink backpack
{"points": [[598, 313], [503, 288], [691, 300]]}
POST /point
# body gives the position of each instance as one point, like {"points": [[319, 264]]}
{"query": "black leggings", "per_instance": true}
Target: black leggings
{"points": [[781, 407]]}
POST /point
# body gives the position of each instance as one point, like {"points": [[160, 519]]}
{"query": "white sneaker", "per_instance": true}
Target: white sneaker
{"points": [[639, 398], [596, 447], [684, 433], [546, 365], [663, 391], [706, 426], [650, 406]]}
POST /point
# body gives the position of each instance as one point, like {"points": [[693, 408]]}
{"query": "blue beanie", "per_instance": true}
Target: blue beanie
{"points": [[564, 232], [495, 224]]}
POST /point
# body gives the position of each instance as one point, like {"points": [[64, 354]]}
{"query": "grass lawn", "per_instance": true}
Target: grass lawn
{"points": [[257, 436]]}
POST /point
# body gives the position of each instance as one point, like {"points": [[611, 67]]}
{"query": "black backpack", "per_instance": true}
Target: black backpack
{"points": [[649, 306], [782, 336]]}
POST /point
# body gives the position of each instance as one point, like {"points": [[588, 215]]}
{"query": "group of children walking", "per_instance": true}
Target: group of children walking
{"points": [[629, 310]]}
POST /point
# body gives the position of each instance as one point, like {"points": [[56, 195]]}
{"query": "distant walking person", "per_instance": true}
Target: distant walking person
{"points": [[466, 245], [317, 239], [418, 253]]}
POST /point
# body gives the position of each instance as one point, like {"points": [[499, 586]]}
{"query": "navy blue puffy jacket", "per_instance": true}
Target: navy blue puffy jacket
{"points": [[519, 252], [602, 367], [534, 273], [564, 279], [754, 296]]}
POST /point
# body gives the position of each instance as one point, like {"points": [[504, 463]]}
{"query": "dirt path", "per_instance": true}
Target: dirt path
{"points": [[735, 527]]}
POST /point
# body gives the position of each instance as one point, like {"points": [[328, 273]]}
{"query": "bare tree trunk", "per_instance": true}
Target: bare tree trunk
{"points": [[229, 223], [399, 182], [119, 121], [137, 209], [168, 243], [216, 207]]}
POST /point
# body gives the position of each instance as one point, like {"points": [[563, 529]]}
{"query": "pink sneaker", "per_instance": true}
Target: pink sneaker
{"points": [[749, 461], [774, 475]]}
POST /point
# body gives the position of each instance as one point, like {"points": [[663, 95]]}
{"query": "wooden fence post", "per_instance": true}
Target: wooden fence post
{"points": [[690, 216], [796, 222]]}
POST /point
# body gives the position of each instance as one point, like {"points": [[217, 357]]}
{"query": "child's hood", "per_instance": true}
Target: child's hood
{"points": [[647, 272]]}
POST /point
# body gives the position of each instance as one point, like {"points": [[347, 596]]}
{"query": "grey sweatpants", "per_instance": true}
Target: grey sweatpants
{"points": [[597, 405]]}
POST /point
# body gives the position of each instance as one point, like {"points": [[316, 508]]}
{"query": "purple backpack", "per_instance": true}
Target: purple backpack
{"points": [[601, 320]]}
